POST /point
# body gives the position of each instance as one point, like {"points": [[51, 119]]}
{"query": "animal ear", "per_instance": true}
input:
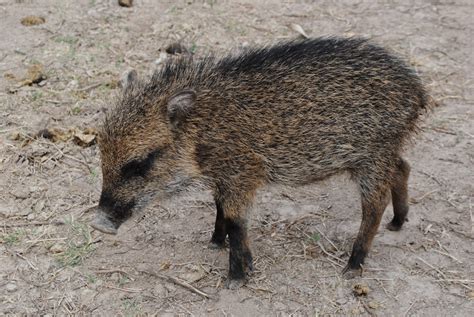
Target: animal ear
{"points": [[180, 104], [128, 78]]}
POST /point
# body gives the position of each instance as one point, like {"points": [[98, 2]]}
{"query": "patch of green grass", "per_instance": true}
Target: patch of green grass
{"points": [[91, 278], [130, 307], [79, 245], [123, 280], [14, 237], [119, 61], [36, 95], [93, 176], [69, 39], [76, 110], [193, 48], [315, 237]]}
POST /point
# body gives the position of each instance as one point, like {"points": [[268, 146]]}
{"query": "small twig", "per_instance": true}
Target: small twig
{"points": [[448, 255], [90, 87], [115, 271], [27, 261], [44, 240], [178, 282], [472, 217], [259, 289], [367, 308], [416, 200], [33, 223], [330, 255], [129, 290], [406, 313], [432, 267], [432, 177], [457, 280], [327, 239], [376, 279]]}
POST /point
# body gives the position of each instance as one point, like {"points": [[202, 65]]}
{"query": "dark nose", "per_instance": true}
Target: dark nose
{"points": [[117, 210]]}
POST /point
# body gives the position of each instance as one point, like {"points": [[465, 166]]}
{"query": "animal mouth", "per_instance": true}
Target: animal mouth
{"points": [[104, 224]]}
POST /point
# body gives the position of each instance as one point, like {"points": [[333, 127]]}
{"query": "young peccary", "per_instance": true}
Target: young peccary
{"points": [[293, 113]]}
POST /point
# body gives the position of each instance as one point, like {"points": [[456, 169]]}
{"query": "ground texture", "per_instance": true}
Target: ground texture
{"points": [[63, 73]]}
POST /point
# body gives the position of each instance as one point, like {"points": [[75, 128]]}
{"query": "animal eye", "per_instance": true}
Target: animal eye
{"points": [[139, 167]]}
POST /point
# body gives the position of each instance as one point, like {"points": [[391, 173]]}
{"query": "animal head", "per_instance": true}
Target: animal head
{"points": [[143, 150]]}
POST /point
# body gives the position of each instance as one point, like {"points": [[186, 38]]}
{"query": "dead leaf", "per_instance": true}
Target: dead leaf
{"points": [[195, 275], [298, 29], [54, 134], [85, 138], [112, 84], [34, 75], [9, 76], [32, 20], [360, 290]]}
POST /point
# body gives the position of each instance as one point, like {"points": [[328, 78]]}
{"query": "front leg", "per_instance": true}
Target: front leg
{"points": [[240, 257], [234, 206]]}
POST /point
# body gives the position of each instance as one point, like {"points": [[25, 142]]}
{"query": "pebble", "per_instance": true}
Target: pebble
{"points": [[57, 248], [11, 287], [125, 3]]}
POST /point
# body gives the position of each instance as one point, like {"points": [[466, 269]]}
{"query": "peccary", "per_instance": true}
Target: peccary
{"points": [[293, 113]]}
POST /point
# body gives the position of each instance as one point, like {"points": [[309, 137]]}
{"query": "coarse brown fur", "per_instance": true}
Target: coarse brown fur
{"points": [[292, 113]]}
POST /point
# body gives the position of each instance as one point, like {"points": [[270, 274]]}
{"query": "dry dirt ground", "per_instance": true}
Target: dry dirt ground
{"points": [[53, 263]]}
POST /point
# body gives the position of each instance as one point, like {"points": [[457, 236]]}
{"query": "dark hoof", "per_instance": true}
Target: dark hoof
{"points": [[394, 226], [249, 262], [234, 284], [215, 245], [349, 273]]}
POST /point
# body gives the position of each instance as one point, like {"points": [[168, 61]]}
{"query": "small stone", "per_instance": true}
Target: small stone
{"points": [[73, 84], [355, 311], [6, 211], [125, 3], [88, 295], [39, 206], [176, 48], [116, 276], [279, 306], [20, 192], [192, 277], [373, 305], [160, 291], [11, 287], [57, 248], [31, 216], [341, 301]]}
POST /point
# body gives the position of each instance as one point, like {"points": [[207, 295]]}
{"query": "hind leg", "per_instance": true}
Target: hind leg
{"points": [[373, 197], [399, 191], [220, 232]]}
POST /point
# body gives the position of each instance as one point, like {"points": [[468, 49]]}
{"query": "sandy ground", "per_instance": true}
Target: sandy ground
{"points": [[53, 263]]}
